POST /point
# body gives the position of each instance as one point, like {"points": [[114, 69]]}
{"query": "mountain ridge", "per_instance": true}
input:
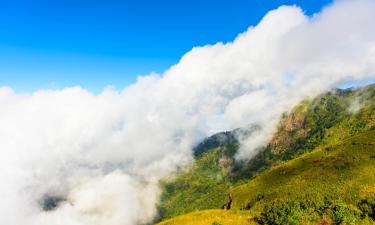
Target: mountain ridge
{"points": [[313, 124]]}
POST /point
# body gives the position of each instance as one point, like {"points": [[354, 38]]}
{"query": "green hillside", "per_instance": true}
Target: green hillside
{"points": [[336, 175], [333, 184], [315, 169], [203, 186]]}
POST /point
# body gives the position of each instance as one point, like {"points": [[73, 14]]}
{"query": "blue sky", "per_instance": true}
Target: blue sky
{"points": [[91, 43]]}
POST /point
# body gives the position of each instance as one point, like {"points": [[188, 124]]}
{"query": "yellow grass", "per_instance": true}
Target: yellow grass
{"points": [[209, 217]]}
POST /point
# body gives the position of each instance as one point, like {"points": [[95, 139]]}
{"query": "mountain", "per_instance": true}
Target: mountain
{"points": [[316, 169]]}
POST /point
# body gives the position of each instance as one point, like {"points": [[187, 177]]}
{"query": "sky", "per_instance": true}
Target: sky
{"points": [[97, 43]]}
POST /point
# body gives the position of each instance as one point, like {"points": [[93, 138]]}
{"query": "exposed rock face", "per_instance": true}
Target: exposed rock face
{"points": [[292, 127], [226, 163], [294, 121]]}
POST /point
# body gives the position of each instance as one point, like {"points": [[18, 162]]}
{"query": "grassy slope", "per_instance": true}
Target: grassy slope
{"points": [[199, 187], [344, 171], [315, 124], [212, 217]]}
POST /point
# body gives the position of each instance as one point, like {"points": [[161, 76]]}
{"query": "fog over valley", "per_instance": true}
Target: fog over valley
{"points": [[73, 157]]}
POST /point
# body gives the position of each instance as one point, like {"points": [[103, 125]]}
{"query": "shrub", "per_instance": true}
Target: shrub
{"points": [[286, 213], [344, 214], [367, 207]]}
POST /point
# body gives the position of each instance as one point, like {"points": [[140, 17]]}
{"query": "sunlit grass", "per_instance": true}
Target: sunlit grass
{"points": [[213, 217], [342, 171]]}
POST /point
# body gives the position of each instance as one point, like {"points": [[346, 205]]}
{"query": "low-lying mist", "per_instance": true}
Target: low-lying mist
{"points": [[72, 157]]}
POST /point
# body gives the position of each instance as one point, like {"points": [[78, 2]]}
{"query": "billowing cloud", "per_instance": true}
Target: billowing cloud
{"points": [[75, 158]]}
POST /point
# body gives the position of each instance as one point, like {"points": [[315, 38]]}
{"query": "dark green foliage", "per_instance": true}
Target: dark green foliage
{"points": [[243, 170], [222, 139], [367, 207], [227, 141], [292, 212], [326, 111], [281, 213]]}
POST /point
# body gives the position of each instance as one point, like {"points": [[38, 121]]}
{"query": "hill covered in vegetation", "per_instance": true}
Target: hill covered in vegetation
{"points": [[316, 169]]}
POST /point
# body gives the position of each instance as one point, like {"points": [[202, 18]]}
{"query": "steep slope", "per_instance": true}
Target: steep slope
{"points": [[332, 184], [202, 186], [343, 172], [313, 124]]}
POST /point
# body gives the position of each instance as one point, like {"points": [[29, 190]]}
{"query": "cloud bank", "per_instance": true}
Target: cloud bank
{"points": [[100, 156]]}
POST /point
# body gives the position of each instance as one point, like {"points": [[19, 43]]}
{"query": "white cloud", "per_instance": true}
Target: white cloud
{"points": [[105, 153]]}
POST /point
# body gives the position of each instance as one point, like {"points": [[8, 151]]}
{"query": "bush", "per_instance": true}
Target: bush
{"points": [[367, 207], [286, 213], [343, 214]]}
